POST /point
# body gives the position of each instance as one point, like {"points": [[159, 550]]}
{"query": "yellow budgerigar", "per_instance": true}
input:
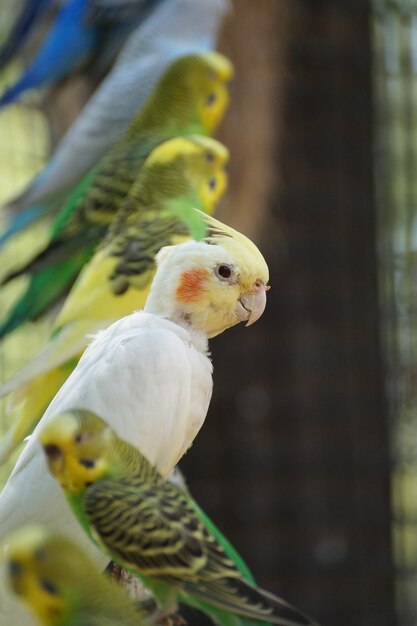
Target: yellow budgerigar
{"points": [[61, 586]]}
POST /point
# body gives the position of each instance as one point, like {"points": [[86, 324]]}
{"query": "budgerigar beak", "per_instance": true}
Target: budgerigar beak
{"points": [[250, 306]]}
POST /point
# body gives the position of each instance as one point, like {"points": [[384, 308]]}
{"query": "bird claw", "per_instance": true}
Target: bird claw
{"points": [[162, 618]]}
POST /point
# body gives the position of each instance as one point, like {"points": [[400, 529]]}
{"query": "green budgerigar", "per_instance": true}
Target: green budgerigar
{"points": [[152, 527], [190, 98], [60, 584]]}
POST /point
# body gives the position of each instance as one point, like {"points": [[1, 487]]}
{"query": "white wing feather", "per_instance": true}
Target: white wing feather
{"points": [[150, 379]]}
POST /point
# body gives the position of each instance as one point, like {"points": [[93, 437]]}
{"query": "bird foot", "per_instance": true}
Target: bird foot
{"points": [[162, 618]]}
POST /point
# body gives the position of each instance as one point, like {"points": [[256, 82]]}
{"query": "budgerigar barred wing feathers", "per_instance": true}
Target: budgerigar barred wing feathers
{"points": [[153, 528]]}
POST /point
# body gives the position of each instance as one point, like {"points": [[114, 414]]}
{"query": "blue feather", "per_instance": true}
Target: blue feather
{"points": [[77, 37], [31, 12], [21, 221]]}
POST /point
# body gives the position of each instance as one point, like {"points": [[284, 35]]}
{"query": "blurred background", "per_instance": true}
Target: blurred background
{"points": [[308, 457]]}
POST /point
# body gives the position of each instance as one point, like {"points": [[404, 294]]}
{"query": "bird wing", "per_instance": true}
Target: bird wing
{"points": [[117, 279], [153, 529], [30, 14], [104, 12], [66, 344], [148, 527], [119, 377]]}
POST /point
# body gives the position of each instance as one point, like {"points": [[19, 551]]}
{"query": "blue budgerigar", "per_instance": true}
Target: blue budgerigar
{"points": [[173, 29], [84, 32], [26, 20]]}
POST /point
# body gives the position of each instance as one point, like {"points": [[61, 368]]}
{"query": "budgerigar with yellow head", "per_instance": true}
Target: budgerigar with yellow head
{"points": [[179, 175], [60, 584], [190, 98], [152, 527], [149, 374]]}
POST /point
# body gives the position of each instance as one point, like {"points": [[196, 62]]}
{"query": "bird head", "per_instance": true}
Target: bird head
{"points": [[213, 72], [77, 445], [182, 173], [60, 584], [212, 284], [36, 569], [191, 93]]}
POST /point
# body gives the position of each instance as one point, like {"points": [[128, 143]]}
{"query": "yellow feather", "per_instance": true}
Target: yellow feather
{"points": [[187, 146], [93, 299], [241, 247]]}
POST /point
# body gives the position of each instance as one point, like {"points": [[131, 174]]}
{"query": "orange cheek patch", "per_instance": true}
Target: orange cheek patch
{"points": [[191, 286]]}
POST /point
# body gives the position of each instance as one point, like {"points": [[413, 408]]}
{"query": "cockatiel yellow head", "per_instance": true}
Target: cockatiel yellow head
{"points": [[60, 584], [211, 284], [78, 448]]}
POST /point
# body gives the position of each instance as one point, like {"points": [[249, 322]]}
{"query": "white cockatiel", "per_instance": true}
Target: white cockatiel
{"points": [[148, 375]]}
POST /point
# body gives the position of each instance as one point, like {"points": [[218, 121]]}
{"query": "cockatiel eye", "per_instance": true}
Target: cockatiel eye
{"points": [[224, 271]]}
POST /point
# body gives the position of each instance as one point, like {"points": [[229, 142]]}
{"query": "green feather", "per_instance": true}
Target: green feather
{"points": [[44, 289], [184, 211]]}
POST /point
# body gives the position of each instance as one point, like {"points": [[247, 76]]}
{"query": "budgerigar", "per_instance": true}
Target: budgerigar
{"points": [[83, 33], [61, 586], [175, 28], [28, 17], [148, 375], [180, 175], [190, 98], [150, 526]]}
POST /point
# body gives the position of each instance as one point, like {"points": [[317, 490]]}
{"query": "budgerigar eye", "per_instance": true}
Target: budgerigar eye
{"points": [[212, 183], [209, 157], [88, 463], [49, 586], [224, 271], [15, 569], [211, 99]]}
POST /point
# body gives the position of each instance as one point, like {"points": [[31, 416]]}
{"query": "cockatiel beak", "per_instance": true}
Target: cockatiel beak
{"points": [[251, 305]]}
